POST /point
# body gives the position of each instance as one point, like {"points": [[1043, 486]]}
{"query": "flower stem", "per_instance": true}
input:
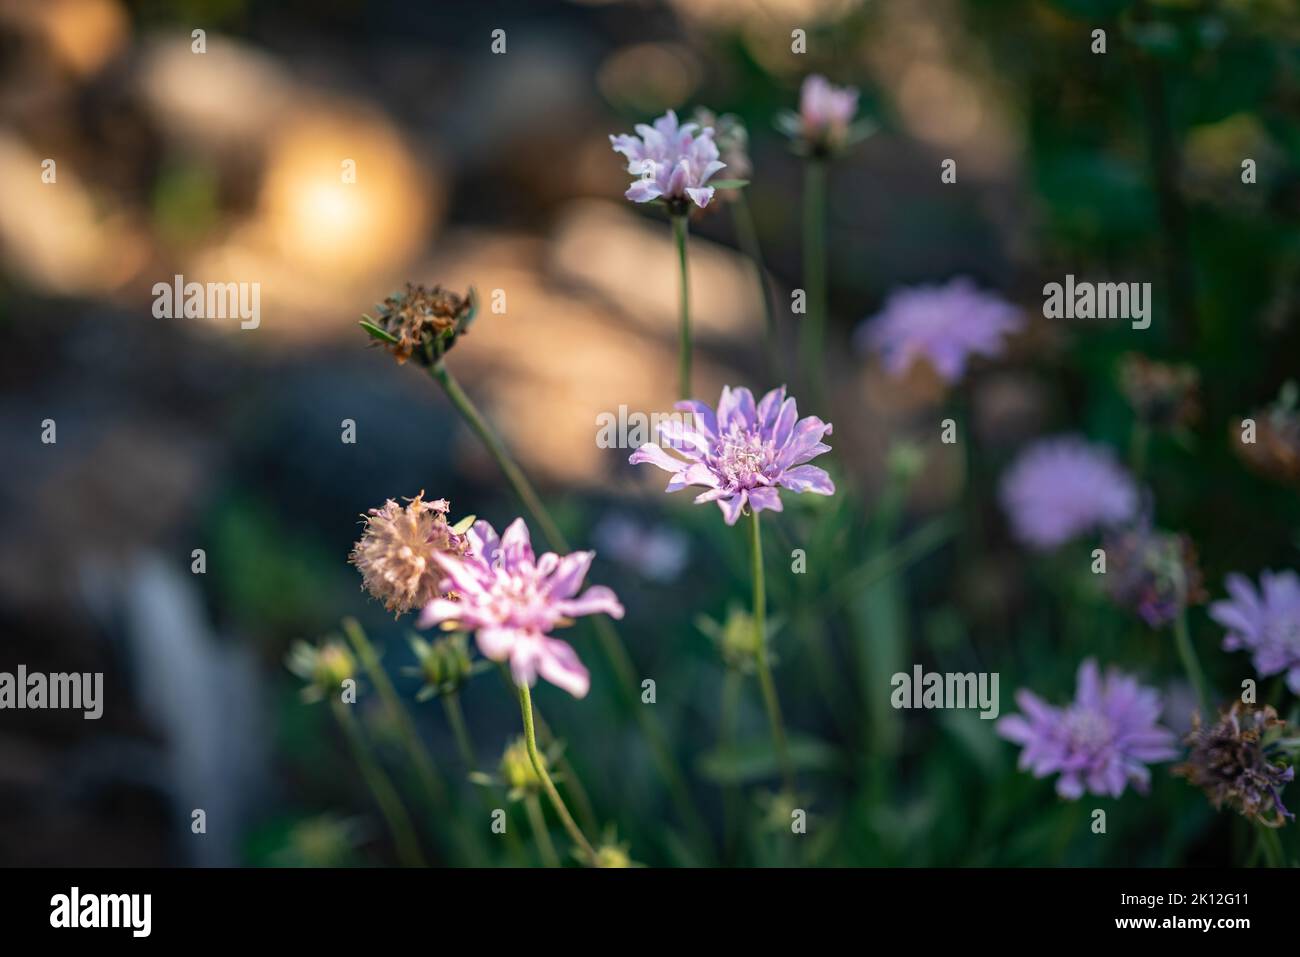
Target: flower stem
{"points": [[812, 332], [684, 299], [611, 645], [1190, 663], [530, 737], [765, 681], [456, 718], [537, 821], [390, 805], [401, 719], [747, 235], [731, 687]]}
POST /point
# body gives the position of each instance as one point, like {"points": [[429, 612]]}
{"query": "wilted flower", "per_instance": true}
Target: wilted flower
{"points": [[512, 601], [945, 325], [324, 667], [396, 551], [1237, 762], [444, 665], [674, 162], [657, 552], [421, 322], [1099, 743], [1275, 453], [824, 123], [1062, 487], [1265, 622], [1161, 394], [1152, 572], [744, 453]]}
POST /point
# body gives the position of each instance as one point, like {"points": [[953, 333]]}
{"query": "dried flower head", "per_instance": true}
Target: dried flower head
{"points": [[675, 162], [1153, 573], [512, 600], [1163, 395], [744, 453], [395, 554], [1237, 762], [1275, 453], [1265, 622], [421, 322], [1099, 743], [324, 666]]}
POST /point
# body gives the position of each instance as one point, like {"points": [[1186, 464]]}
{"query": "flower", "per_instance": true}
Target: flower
{"points": [[656, 552], [1236, 762], [444, 666], [324, 667], [512, 600], [396, 550], [1152, 572], [1275, 451], [517, 771], [733, 142], [744, 453], [1265, 622], [824, 123], [945, 325], [674, 162], [421, 322], [1061, 487], [1099, 743], [1161, 395]]}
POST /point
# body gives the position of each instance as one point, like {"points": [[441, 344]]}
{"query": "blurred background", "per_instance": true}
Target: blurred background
{"points": [[496, 171]]}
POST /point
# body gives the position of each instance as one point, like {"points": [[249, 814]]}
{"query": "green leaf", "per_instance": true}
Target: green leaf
{"points": [[375, 332], [463, 526]]}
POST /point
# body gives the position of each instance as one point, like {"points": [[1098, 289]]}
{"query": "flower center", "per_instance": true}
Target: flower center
{"points": [[742, 458], [1088, 730]]}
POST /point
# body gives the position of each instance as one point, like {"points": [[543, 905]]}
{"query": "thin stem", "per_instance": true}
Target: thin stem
{"points": [[812, 333], [611, 645], [1190, 663], [456, 718], [530, 738], [537, 821], [1270, 845], [747, 235], [390, 805], [684, 300], [765, 681], [424, 768], [731, 685]]}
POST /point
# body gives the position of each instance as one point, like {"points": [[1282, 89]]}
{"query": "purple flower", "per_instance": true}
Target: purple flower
{"points": [[825, 111], [1265, 622], [944, 324], [1099, 743], [744, 453], [1062, 487], [656, 552], [674, 162], [512, 601]]}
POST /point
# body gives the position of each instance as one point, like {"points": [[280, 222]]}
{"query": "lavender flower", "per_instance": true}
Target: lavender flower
{"points": [[656, 552], [513, 600], [825, 112], [1238, 761], [945, 325], [1099, 743], [1265, 622], [674, 162], [744, 453], [1062, 487]]}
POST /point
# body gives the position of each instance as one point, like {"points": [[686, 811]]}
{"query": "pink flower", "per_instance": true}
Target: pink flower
{"points": [[674, 161], [512, 601], [826, 110]]}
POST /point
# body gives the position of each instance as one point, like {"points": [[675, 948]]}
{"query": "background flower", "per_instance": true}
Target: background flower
{"points": [[1059, 488], [513, 600], [1099, 743], [1265, 622], [943, 324], [744, 453]]}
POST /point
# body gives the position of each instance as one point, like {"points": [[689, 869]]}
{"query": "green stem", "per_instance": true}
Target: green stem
{"points": [[611, 645], [765, 681], [1270, 846], [543, 836], [747, 235], [731, 686], [684, 300], [390, 805], [1190, 663], [812, 333], [401, 719], [530, 738], [456, 718]]}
